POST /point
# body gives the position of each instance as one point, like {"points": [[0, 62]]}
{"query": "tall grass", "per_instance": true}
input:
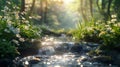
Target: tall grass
{"points": [[87, 30], [106, 33]]}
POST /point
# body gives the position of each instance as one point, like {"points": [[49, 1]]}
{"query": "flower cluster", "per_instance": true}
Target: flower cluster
{"points": [[14, 27], [107, 33]]}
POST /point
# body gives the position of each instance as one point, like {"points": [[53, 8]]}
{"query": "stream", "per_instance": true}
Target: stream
{"points": [[62, 52]]}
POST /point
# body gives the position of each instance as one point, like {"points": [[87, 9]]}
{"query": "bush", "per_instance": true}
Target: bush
{"points": [[15, 29], [87, 32], [13, 25], [111, 36], [107, 33], [7, 50]]}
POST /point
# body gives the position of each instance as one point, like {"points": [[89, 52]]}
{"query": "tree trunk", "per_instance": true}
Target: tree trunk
{"points": [[91, 8], [45, 12], [41, 10], [108, 9], [32, 7], [97, 2], [83, 11], [22, 6]]}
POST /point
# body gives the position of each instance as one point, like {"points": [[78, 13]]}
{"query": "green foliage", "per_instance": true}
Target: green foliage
{"points": [[29, 31], [108, 34], [7, 50], [111, 36], [87, 31], [10, 3], [15, 29], [13, 24]]}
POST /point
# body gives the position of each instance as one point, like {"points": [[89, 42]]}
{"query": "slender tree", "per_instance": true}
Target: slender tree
{"points": [[83, 10], [43, 10], [91, 8], [22, 6], [32, 7], [108, 8], [105, 8]]}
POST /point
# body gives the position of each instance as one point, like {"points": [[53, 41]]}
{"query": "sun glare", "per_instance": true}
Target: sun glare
{"points": [[68, 1]]}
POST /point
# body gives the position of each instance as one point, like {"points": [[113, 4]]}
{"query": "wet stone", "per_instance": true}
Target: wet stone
{"points": [[76, 48], [62, 52]]}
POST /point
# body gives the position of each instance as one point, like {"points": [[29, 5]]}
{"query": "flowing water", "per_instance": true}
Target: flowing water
{"points": [[62, 52]]}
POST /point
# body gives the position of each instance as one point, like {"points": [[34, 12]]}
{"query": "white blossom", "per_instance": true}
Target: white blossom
{"points": [[3, 39], [8, 2], [26, 27], [6, 8], [113, 16], [16, 30], [15, 41], [6, 30], [114, 20], [21, 39], [18, 35]]}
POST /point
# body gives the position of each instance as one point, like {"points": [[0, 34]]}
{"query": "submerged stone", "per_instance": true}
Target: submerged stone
{"points": [[76, 48]]}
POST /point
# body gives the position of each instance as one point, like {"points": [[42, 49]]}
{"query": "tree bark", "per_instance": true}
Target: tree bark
{"points": [[91, 8], [45, 12], [32, 7], [41, 10], [22, 6], [108, 9], [83, 11]]}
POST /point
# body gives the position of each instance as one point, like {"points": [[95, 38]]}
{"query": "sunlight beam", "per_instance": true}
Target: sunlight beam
{"points": [[68, 1]]}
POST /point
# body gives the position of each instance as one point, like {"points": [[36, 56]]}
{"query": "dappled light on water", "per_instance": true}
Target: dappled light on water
{"points": [[57, 66], [62, 52], [53, 41]]}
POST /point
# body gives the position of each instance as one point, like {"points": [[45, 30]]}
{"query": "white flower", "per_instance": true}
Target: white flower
{"points": [[23, 18], [26, 27], [26, 22], [30, 17], [2, 10], [107, 26], [16, 30], [21, 39], [3, 39], [18, 35], [15, 41], [114, 20], [32, 40], [113, 16], [6, 8], [8, 2], [0, 17], [6, 30], [109, 29]]}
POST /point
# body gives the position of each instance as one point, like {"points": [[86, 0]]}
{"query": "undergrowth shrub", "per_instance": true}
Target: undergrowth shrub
{"points": [[88, 31], [15, 29], [108, 34]]}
